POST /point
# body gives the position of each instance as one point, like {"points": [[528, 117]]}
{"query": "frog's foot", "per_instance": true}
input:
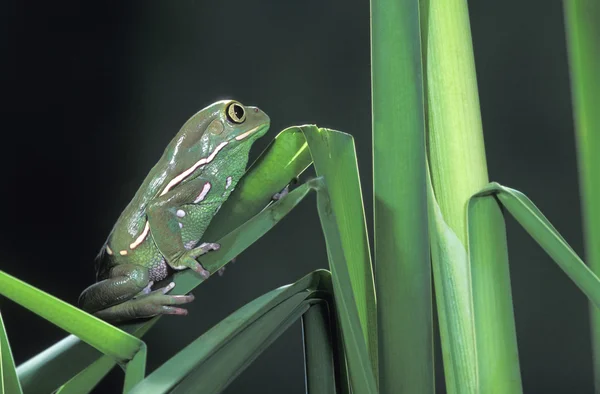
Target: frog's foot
{"points": [[222, 269], [285, 191], [146, 290], [188, 260], [158, 302], [281, 194], [154, 303]]}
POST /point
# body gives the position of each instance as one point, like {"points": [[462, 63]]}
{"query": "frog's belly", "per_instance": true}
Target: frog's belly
{"points": [[148, 255]]}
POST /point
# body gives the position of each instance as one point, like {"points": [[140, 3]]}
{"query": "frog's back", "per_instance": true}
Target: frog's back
{"points": [[130, 241]]}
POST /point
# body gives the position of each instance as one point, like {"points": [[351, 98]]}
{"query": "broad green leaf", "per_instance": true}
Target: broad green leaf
{"points": [[318, 350], [542, 231], [242, 350], [494, 321], [362, 377], [135, 370], [401, 242], [582, 23], [334, 157], [453, 292], [9, 382], [86, 380], [496, 339], [106, 338], [284, 159], [211, 361], [51, 368], [458, 169]]}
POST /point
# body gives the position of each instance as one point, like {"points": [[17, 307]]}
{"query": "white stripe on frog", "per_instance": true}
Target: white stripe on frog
{"points": [[203, 193]]}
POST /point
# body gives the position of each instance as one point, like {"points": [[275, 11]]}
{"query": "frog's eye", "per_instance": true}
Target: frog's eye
{"points": [[236, 113]]}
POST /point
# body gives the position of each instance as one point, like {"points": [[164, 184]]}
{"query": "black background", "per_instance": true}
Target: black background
{"points": [[92, 92]]}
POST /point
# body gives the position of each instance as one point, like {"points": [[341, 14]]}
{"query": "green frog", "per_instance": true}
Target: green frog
{"points": [[159, 232]]}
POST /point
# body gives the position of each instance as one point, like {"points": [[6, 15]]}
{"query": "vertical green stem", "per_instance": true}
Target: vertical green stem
{"points": [[583, 38], [318, 351], [403, 271], [473, 318], [496, 339], [455, 135]]}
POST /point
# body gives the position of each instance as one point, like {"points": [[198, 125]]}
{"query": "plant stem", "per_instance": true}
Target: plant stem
{"points": [[458, 166], [402, 262], [582, 21]]}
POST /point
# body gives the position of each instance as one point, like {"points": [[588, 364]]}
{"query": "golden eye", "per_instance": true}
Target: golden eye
{"points": [[236, 113]]}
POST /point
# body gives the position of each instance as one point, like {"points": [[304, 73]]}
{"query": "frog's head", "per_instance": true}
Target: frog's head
{"points": [[235, 123], [223, 128]]}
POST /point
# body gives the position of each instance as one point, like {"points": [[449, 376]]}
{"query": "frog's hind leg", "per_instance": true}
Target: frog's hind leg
{"points": [[126, 295], [124, 282], [144, 305]]}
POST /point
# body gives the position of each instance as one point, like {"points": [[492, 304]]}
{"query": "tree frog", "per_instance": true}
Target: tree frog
{"points": [[159, 231]]}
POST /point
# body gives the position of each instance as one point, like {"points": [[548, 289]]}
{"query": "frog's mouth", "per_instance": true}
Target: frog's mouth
{"points": [[256, 130]]}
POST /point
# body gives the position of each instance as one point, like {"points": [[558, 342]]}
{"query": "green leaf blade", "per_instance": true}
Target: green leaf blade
{"points": [[402, 260], [99, 334], [494, 322], [362, 376], [213, 360], [318, 350], [334, 157], [449, 261], [9, 381], [544, 233]]}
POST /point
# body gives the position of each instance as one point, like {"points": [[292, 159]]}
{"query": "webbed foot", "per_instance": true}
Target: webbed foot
{"points": [[145, 305], [281, 194], [285, 191], [188, 260]]}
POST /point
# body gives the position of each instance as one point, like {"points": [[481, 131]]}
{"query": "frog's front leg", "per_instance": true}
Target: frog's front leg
{"points": [[163, 214], [125, 295]]}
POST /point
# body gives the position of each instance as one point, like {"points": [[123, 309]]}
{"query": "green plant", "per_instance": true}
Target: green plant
{"points": [[438, 213]]}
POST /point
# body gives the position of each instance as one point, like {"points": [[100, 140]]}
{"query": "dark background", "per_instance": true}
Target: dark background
{"points": [[93, 92]]}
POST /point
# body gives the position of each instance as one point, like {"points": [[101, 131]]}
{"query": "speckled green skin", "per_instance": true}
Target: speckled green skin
{"points": [[176, 202]]}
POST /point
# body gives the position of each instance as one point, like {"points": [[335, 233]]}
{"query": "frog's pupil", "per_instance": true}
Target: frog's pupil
{"points": [[239, 111]]}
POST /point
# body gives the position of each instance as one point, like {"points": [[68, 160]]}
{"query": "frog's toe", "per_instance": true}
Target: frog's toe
{"points": [[159, 302], [198, 268], [189, 261], [204, 248], [281, 194], [167, 288], [171, 310], [147, 289], [284, 192]]}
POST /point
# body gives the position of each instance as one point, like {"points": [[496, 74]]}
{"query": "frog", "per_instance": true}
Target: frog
{"points": [[160, 231]]}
